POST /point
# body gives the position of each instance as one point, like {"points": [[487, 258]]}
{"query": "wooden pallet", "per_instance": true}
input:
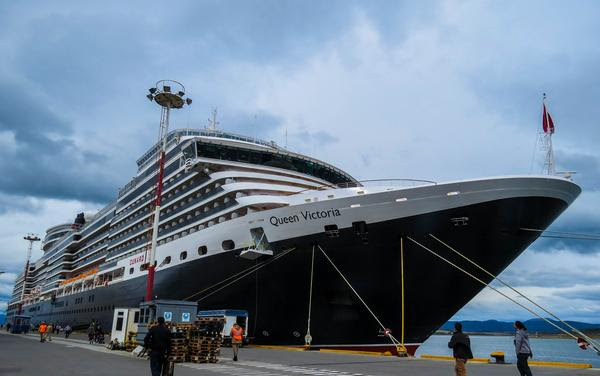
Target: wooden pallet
{"points": [[203, 359], [177, 358]]}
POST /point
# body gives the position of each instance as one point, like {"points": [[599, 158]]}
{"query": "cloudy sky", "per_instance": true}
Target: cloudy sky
{"points": [[432, 90]]}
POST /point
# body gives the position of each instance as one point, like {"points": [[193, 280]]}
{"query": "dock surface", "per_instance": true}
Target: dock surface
{"points": [[24, 355]]}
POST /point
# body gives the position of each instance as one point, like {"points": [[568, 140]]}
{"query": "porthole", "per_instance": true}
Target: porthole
{"points": [[183, 255], [202, 250], [228, 245]]}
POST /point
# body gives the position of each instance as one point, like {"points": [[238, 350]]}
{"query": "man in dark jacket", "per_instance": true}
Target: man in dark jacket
{"points": [[158, 340], [461, 348]]}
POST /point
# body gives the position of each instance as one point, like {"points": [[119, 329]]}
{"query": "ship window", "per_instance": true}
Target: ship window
{"points": [[202, 250], [228, 245], [131, 270], [183, 255]]}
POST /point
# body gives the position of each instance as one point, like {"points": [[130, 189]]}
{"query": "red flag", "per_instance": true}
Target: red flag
{"points": [[547, 123]]}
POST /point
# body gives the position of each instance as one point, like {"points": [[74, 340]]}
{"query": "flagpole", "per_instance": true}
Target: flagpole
{"points": [[549, 129]]}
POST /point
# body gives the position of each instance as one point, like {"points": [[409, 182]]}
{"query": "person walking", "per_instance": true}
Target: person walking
{"points": [[461, 349], [49, 331], [68, 330], [237, 337], [158, 340], [42, 330], [91, 331], [522, 348]]}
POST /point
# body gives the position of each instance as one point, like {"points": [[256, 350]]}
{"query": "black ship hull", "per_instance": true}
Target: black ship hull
{"points": [[277, 295]]}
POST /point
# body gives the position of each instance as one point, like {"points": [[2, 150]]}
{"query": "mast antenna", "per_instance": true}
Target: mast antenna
{"points": [[548, 129], [212, 122]]}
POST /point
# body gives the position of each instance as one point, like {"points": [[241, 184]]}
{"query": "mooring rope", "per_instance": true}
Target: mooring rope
{"points": [[491, 287], [590, 340], [563, 234], [395, 342], [308, 337], [245, 273]]}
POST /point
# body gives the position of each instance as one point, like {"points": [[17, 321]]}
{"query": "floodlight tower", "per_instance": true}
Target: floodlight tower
{"points": [[31, 238], [167, 94]]}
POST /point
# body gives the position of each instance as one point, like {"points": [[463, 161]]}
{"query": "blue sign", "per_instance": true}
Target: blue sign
{"points": [[168, 316], [185, 317]]}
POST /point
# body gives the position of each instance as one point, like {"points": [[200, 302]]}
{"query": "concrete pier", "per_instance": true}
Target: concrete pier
{"points": [[24, 355]]}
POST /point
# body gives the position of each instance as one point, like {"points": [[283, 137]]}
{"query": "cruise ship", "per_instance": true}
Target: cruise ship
{"points": [[247, 224]]}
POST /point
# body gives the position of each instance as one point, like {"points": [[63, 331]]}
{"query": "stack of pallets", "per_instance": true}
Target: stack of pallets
{"points": [[179, 343], [131, 341], [205, 340]]}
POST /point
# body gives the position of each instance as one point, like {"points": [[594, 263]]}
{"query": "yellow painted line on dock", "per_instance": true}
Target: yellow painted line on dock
{"points": [[356, 352], [449, 358], [340, 351], [559, 364]]}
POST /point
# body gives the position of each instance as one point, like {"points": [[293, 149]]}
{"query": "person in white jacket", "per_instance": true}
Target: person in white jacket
{"points": [[522, 348]]}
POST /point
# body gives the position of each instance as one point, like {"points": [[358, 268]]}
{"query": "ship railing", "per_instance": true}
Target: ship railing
{"points": [[402, 183], [395, 183]]}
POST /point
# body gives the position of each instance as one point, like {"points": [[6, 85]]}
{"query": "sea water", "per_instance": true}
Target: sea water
{"points": [[544, 349]]}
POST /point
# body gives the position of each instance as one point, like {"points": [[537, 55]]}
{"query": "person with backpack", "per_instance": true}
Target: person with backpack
{"points": [[522, 348], [158, 340], [461, 349]]}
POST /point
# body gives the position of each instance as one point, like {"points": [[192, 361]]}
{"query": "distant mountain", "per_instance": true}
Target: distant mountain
{"points": [[533, 325]]}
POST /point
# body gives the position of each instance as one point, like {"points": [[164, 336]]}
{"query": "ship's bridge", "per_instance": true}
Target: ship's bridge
{"points": [[176, 136], [229, 147]]}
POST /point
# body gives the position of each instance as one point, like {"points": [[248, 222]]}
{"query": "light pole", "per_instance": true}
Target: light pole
{"points": [[31, 238], [167, 94]]}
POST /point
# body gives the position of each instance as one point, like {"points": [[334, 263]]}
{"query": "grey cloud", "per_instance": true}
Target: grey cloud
{"points": [[584, 293], [560, 277], [306, 141], [15, 203], [576, 223], [587, 167], [46, 161], [259, 124]]}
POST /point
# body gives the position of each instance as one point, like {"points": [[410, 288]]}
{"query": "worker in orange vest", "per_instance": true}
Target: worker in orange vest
{"points": [[42, 329], [237, 336]]}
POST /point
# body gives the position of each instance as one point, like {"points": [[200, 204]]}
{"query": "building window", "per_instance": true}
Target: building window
{"points": [[202, 250], [183, 255]]}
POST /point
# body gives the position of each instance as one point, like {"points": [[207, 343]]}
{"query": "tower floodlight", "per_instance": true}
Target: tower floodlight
{"points": [[161, 94], [31, 238]]}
